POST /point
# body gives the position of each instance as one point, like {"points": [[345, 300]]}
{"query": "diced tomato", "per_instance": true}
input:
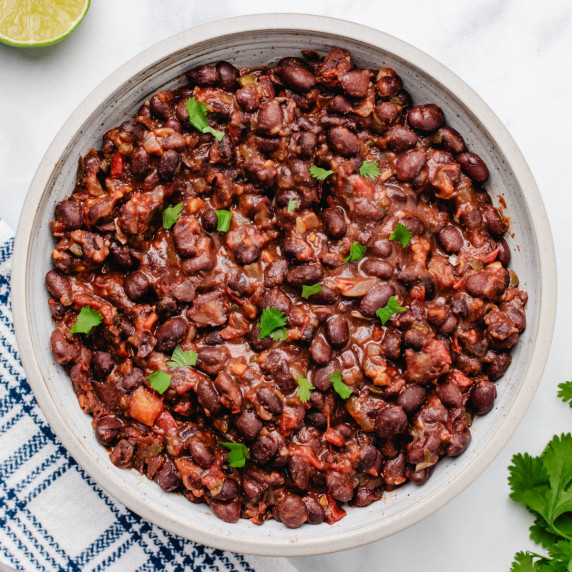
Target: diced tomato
{"points": [[116, 166], [333, 511], [145, 406], [460, 379], [333, 437]]}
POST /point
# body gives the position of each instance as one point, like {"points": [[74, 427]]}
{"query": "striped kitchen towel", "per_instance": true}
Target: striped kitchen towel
{"points": [[52, 515]]}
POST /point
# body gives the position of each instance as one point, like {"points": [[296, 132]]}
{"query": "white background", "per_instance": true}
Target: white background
{"points": [[517, 54]]}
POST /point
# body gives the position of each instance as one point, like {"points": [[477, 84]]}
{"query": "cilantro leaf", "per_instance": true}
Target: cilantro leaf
{"points": [[308, 291], [171, 215], [565, 391], [270, 320], [369, 170], [223, 220], [339, 386], [238, 453], [401, 234], [181, 358], [389, 309], [319, 173], [87, 319], [357, 252], [540, 535], [292, 205], [159, 381], [304, 387], [523, 563], [279, 335], [198, 118]]}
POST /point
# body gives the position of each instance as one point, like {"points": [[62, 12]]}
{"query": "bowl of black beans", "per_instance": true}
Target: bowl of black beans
{"points": [[285, 285]]}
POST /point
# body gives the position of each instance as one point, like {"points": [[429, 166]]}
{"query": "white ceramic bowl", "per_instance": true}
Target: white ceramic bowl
{"points": [[256, 41]]}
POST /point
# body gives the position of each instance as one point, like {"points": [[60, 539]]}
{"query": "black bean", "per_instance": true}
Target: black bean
{"points": [[275, 298], [320, 350], [205, 76], [340, 486], [122, 453], [334, 222], [227, 75], [325, 296], [64, 352], [171, 333], [264, 449], [369, 458], [270, 117], [70, 214], [229, 490], [339, 105], [375, 299], [120, 256], [415, 226], [411, 397], [452, 140], [399, 138], [426, 118], [292, 511], [391, 344], [101, 365], [213, 339], [269, 400], [212, 360], [275, 272], [420, 477], [473, 166], [210, 220], [246, 253], [306, 144], [376, 267], [160, 104], [132, 380], [451, 239], [498, 364], [483, 397], [388, 83], [201, 453], [248, 98], [168, 164], [390, 421], [58, 285], [495, 223], [410, 164], [305, 274], [381, 248], [504, 255], [337, 331], [136, 285], [107, 430], [297, 77], [248, 424], [316, 514], [208, 397], [226, 511], [450, 394], [167, 478], [343, 142], [356, 82], [256, 343]]}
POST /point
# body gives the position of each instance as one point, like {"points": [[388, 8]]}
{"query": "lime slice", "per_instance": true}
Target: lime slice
{"points": [[31, 23]]}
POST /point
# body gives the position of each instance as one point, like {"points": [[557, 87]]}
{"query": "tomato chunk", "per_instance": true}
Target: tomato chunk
{"points": [[145, 406]]}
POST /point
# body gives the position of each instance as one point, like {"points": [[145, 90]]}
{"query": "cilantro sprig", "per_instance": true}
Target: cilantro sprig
{"points": [[304, 387], [87, 319], [198, 118], [308, 291], [369, 170], [159, 381], [543, 484], [339, 386], [182, 358], [389, 309], [292, 205], [319, 173], [272, 322], [171, 215], [357, 252], [401, 234], [238, 453]]}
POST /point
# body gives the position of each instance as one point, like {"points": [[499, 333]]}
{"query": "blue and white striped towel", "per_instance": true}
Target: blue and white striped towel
{"points": [[52, 515]]}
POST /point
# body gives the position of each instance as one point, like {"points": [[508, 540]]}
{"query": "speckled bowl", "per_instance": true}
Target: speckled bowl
{"points": [[256, 41]]}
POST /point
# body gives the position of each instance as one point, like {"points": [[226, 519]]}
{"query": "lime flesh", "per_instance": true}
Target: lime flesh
{"points": [[31, 23]]}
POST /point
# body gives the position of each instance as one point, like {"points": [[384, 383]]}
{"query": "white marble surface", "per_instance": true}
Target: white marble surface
{"points": [[517, 54]]}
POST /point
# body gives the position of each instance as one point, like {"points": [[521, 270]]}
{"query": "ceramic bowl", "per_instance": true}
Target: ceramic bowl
{"points": [[257, 41]]}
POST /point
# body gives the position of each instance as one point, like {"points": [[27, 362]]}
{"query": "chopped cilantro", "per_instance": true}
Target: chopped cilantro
{"points": [[357, 252], [159, 381], [565, 392], [401, 234], [339, 386], [270, 320], [308, 291], [181, 358], [304, 387], [389, 309], [87, 319], [292, 205], [223, 220], [369, 170], [238, 453], [171, 215], [320, 174], [198, 118]]}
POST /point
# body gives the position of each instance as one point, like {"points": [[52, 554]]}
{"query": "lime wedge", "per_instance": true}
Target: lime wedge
{"points": [[32, 23]]}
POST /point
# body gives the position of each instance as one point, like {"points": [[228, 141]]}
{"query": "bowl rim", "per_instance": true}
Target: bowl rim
{"points": [[335, 28]]}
